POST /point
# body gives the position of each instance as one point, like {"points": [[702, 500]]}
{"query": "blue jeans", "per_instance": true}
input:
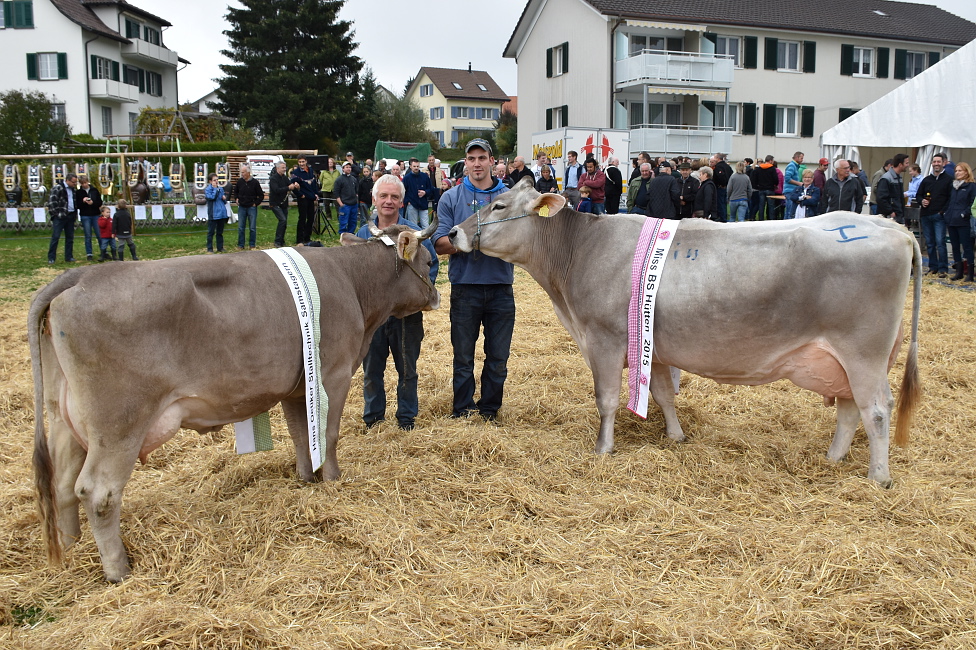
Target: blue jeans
{"points": [[67, 226], [740, 208], [348, 214], [402, 337], [759, 204], [790, 209], [474, 306], [244, 215], [104, 243], [215, 227], [723, 204], [418, 216], [962, 245], [874, 208], [90, 226], [597, 208], [934, 231]]}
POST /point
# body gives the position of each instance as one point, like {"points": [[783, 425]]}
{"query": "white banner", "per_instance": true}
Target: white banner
{"points": [[157, 212], [140, 212], [179, 211], [304, 290], [12, 216], [40, 216]]}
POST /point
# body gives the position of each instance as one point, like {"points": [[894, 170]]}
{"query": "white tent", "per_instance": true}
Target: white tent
{"points": [[931, 112]]}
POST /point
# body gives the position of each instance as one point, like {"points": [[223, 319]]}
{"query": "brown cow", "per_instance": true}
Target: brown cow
{"points": [[124, 356]]}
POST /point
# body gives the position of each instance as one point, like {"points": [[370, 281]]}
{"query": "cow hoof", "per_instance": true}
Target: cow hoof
{"points": [[678, 437], [603, 449]]}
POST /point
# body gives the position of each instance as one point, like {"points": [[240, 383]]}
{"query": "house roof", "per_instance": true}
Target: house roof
{"points": [[130, 8], [903, 21], [82, 15], [444, 79]]}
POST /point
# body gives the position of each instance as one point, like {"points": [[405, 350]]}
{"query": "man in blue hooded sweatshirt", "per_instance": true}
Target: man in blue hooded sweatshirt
{"points": [[481, 289]]}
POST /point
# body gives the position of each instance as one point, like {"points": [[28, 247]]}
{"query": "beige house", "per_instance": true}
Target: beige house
{"points": [[695, 78], [457, 101]]}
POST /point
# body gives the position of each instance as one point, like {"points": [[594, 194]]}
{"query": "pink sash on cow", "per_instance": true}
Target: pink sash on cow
{"points": [[653, 246]]}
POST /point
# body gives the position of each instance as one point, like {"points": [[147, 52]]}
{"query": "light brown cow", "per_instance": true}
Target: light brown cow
{"points": [[125, 355]]}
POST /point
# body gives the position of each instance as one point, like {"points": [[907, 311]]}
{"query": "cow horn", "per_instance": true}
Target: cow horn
{"points": [[373, 230], [428, 232]]}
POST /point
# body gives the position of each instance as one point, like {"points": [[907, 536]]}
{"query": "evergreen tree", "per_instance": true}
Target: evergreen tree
{"points": [[365, 127], [293, 69], [506, 132]]}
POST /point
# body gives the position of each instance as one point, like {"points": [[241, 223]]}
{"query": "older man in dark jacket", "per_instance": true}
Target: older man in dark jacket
{"points": [[843, 192], [61, 205], [663, 194]]}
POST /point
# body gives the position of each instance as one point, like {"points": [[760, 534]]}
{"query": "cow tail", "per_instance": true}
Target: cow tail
{"points": [[911, 387], [44, 479]]}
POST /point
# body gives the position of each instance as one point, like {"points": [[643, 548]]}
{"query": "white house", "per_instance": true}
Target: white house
{"points": [[747, 78], [100, 61]]}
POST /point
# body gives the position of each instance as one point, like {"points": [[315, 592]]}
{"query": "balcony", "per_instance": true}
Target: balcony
{"points": [[675, 139], [149, 53], [680, 69], [113, 91]]}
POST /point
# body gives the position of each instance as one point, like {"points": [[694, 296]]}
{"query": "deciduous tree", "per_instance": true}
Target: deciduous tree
{"points": [[27, 123]]}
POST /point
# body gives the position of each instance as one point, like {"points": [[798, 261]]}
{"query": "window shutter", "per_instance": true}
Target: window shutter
{"points": [[115, 70], [933, 58], [62, 65], [548, 119], [496, 113], [845, 113], [769, 119], [565, 110], [566, 57], [32, 66], [549, 63], [847, 60], [23, 14], [883, 55], [8, 14], [901, 63], [751, 53], [454, 111], [94, 67], [806, 121], [142, 80], [809, 56], [748, 119], [772, 53]]}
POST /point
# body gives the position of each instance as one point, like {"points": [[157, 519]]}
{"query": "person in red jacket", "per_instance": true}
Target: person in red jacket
{"points": [[105, 236], [596, 181]]}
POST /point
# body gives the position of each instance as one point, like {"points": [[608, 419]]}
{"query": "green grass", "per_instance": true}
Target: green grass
{"points": [[22, 253]]}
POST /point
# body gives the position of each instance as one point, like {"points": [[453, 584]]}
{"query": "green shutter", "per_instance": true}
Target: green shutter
{"points": [[769, 119], [62, 65], [94, 67], [565, 110], [845, 113], [847, 60], [23, 14], [901, 63], [549, 63], [748, 119], [142, 80], [8, 14], [809, 56], [32, 66], [933, 58], [772, 54], [883, 56], [548, 119], [115, 71], [565, 57], [806, 121], [751, 54]]}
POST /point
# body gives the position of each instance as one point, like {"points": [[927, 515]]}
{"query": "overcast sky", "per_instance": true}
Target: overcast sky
{"points": [[395, 38]]}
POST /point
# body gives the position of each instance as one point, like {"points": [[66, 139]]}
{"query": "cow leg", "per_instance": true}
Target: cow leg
{"points": [[847, 419], [607, 377], [662, 390], [296, 416], [99, 488], [68, 457], [876, 417], [337, 390]]}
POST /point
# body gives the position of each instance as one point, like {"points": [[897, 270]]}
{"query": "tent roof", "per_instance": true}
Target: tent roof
{"points": [[924, 110]]}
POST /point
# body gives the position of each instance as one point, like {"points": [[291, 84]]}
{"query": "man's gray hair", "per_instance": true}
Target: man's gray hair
{"points": [[388, 179], [647, 165], [705, 171], [838, 162], [615, 162]]}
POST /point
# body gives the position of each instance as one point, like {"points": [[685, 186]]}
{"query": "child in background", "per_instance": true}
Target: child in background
{"points": [[105, 237], [585, 205], [122, 227]]}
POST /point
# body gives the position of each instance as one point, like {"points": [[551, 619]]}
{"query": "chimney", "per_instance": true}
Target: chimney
{"points": [[469, 66]]}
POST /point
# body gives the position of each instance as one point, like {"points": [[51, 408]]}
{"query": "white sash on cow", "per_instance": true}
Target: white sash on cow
{"points": [[305, 291], [653, 247]]}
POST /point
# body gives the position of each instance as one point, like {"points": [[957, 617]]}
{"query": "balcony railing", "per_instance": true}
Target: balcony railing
{"points": [[687, 69], [115, 91], [145, 50], [676, 139]]}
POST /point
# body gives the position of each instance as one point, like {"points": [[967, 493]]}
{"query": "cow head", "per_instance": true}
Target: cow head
{"points": [[407, 244], [501, 227]]}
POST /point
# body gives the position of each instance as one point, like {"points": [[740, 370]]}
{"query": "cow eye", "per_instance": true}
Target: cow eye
{"points": [[498, 206]]}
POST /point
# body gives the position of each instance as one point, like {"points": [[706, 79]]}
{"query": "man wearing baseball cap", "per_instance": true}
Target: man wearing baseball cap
{"points": [[481, 289], [357, 171], [820, 175]]}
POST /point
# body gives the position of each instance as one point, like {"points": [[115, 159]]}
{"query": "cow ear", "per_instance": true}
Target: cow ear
{"points": [[548, 204], [407, 244], [349, 239]]}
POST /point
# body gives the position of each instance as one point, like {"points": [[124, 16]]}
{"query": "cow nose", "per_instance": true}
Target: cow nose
{"points": [[451, 236]]}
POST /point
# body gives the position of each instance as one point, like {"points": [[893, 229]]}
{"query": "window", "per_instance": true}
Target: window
{"points": [[863, 62], [658, 114], [150, 34], [18, 14], [557, 60], [58, 114], [439, 136], [730, 121], [47, 66], [557, 118], [132, 28], [728, 45], [102, 68], [914, 64], [788, 56], [640, 42], [133, 123], [437, 113], [482, 88], [154, 84], [427, 90], [106, 120], [786, 121], [462, 112], [456, 85], [130, 75], [487, 113]]}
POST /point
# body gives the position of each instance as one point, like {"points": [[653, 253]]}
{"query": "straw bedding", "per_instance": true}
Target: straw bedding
{"points": [[516, 535]]}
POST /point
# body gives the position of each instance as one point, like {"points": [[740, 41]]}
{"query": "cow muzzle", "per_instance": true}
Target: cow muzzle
{"points": [[459, 240]]}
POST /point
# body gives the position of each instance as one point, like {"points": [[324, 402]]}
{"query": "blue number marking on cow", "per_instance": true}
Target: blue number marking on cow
{"points": [[691, 254], [843, 234]]}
